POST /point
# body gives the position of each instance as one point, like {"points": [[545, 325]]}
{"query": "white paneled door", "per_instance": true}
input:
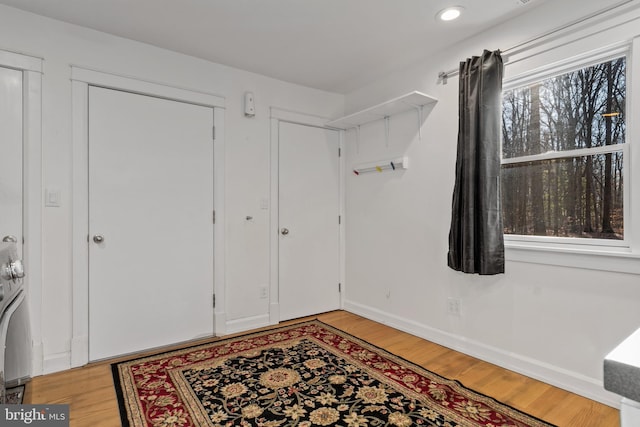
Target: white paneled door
{"points": [[150, 222], [11, 143], [309, 205]]}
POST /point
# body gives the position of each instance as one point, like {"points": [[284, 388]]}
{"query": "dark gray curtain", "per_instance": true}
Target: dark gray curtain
{"points": [[476, 243]]}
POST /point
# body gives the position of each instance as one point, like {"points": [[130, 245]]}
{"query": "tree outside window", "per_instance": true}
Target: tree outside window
{"points": [[562, 166]]}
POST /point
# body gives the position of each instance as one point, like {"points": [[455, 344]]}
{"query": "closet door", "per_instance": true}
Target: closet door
{"points": [[150, 222], [309, 205]]}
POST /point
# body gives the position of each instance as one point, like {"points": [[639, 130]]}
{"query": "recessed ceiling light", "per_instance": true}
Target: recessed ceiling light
{"points": [[450, 13]]}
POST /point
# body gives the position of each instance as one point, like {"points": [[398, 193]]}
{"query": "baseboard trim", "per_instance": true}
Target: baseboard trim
{"points": [[56, 363], [247, 323], [553, 375]]}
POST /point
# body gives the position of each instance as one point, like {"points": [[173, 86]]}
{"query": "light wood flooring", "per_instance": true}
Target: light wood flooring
{"points": [[89, 390]]}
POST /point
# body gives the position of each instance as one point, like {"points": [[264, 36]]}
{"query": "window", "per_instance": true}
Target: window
{"points": [[563, 163]]}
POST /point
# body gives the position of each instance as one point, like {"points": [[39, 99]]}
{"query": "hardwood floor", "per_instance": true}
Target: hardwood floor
{"points": [[89, 390]]}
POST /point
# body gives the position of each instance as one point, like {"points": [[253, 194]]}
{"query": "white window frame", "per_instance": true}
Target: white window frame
{"points": [[599, 254]]}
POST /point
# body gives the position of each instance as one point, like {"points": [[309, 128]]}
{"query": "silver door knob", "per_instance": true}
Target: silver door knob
{"points": [[284, 231], [10, 238], [98, 238]]}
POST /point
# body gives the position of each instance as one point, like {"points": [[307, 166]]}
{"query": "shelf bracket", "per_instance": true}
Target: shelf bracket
{"points": [[420, 108], [386, 129]]}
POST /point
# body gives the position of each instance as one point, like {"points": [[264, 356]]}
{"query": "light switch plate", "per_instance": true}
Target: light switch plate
{"points": [[52, 198]]}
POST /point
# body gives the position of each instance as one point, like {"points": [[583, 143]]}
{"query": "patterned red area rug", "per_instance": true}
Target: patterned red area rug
{"points": [[307, 374]]}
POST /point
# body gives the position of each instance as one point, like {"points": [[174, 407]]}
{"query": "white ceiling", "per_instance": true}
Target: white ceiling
{"points": [[334, 45]]}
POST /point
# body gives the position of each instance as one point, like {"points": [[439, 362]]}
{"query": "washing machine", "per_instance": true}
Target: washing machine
{"points": [[15, 331]]}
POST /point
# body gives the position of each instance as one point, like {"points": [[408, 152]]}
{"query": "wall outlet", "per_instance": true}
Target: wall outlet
{"points": [[264, 292], [453, 306]]}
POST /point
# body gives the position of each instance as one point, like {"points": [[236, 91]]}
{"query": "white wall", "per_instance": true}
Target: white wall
{"points": [[551, 322], [247, 155]]}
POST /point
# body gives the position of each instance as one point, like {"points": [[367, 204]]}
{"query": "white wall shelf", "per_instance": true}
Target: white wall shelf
{"points": [[413, 100]]}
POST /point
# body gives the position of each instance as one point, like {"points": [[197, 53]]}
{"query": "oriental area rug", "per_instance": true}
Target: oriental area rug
{"points": [[307, 374]]}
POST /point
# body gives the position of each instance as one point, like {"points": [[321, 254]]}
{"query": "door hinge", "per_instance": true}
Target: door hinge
{"points": [[339, 287], [214, 216], [339, 152], [339, 219], [213, 133], [214, 300]]}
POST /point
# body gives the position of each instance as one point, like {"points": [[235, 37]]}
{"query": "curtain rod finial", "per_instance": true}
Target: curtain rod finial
{"points": [[442, 77]]}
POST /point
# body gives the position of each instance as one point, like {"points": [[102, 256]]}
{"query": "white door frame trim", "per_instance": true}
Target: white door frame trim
{"points": [[31, 68], [20, 61], [283, 115], [81, 79]]}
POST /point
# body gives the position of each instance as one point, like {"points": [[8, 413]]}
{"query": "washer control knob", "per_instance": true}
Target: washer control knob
{"points": [[17, 269], [5, 272]]}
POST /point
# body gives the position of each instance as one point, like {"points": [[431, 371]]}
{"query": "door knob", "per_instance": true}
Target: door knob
{"points": [[284, 231], [98, 238], [10, 238]]}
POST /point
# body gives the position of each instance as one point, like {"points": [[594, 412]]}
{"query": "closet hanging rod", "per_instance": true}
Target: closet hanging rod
{"points": [[444, 75]]}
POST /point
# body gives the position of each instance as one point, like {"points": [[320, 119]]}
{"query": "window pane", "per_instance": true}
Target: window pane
{"points": [[571, 197], [581, 109]]}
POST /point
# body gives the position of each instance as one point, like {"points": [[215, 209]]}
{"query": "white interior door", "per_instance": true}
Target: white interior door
{"points": [[150, 222], [11, 142], [309, 205]]}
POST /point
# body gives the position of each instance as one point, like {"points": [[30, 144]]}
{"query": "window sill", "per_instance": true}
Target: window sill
{"points": [[620, 260]]}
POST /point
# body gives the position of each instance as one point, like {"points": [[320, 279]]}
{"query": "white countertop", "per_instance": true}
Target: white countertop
{"points": [[628, 351]]}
